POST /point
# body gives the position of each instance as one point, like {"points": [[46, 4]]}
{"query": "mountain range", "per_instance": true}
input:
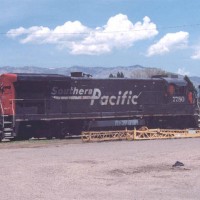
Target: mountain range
{"points": [[135, 71]]}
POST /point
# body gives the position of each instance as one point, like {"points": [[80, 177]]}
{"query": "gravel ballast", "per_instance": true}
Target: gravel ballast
{"points": [[70, 169]]}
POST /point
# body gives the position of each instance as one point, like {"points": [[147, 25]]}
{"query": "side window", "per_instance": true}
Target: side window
{"points": [[176, 90], [180, 90], [171, 89], [1, 88], [7, 89]]}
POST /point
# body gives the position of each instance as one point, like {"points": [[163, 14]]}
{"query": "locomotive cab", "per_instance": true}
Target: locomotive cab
{"points": [[181, 99], [176, 91]]}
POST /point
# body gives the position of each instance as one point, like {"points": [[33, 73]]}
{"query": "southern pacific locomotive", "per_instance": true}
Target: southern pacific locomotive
{"points": [[34, 105]]}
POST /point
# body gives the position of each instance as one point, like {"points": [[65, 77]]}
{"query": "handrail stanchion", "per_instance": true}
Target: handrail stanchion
{"points": [[2, 114]]}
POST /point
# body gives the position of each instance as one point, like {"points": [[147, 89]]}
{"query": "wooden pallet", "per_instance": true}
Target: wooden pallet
{"points": [[141, 134]]}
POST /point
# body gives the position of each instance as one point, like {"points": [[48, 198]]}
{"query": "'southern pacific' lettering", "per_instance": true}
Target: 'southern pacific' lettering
{"points": [[95, 96]]}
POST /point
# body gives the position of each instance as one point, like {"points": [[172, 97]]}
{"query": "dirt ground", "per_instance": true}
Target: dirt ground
{"points": [[70, 169]]}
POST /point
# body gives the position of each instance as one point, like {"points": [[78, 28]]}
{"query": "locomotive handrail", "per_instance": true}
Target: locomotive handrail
{"points": [[13, 112], [198, 102], [2, 114], [17, 99], [33, 99]]}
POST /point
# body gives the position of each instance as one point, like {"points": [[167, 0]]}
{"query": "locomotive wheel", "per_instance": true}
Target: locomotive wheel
{"points": [[49, 133], [49, 137], [61, 136]]}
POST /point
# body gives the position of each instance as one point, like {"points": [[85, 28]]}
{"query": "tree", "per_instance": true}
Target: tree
{"points": [[120, 75], [111, 76]]}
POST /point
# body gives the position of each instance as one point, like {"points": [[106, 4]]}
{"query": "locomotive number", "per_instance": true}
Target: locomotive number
{"points": [[180, 99]]}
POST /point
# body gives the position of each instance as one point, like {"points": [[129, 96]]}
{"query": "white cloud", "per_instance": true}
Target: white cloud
{"points": [[168, 43], [119, 32], [182, 71], [40, 34], [196, 55]]}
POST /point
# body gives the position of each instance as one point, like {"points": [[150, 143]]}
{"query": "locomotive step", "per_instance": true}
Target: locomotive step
{"points": [[8, 135], [7, 129], [7, 122]]}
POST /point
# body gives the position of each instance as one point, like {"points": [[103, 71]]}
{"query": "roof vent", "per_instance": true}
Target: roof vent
{"points": [[165, 76], [80, 74]]}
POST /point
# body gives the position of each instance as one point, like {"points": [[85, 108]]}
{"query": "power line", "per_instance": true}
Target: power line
{"points": [[180, 26], [107, 32]]}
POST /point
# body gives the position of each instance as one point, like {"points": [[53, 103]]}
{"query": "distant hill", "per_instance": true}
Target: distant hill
{"points": [[135, 71], [100, 72]]}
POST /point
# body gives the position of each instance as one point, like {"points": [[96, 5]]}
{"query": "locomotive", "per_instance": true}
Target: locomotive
{"points": [[52, 105]]}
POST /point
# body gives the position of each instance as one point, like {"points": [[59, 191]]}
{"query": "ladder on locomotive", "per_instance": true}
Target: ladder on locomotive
{"points": [[198, 107], [7, 124]]}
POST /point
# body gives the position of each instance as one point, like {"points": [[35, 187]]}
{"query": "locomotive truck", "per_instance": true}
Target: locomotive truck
{"points": [[52, 105]]}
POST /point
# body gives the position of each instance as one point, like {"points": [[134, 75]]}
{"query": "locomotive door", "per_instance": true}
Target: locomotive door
{"points": [[6, 97]]}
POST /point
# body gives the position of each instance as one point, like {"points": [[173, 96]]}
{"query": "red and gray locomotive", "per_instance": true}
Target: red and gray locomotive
{"points": [[51, 105]]}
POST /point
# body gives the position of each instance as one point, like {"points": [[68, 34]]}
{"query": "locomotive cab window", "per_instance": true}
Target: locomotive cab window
{"points": [[176, 90], [171, 89], [6, 89], [180, 90]]}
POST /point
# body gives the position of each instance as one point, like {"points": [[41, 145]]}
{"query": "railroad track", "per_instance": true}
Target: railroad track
{"points": [[98, 136], [37, 143]]}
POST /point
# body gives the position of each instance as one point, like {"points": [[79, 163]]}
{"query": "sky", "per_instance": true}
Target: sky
{"points": [[107, 33]]}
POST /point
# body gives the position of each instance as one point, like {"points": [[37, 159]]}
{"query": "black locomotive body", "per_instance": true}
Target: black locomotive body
{"points": [[35, 105]]}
